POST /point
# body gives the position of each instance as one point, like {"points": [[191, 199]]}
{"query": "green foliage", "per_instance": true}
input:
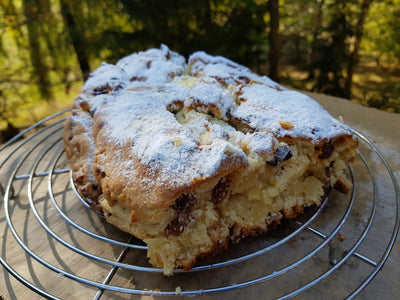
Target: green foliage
{"points": [[235, 29], [382, 32], [386, 99], [47, 47]]}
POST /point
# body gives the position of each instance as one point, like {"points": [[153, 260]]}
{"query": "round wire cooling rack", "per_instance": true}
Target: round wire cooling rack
{"points": [[59, 248]]}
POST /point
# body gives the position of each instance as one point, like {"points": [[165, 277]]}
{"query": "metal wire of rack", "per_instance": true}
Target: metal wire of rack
{"points": [[70, 251]]}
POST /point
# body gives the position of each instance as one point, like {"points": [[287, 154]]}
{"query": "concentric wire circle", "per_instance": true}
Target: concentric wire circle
{"points": [[70, 251]]}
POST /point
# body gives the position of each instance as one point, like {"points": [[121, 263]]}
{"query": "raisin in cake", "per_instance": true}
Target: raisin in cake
{"points": [[192, 156]]}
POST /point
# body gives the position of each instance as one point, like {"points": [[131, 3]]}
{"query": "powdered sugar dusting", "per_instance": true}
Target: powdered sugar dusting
{"points": [[260, 143], [155, 66], [106, 78], [159, 141], [140, 99], [264, 108], [225, 70], [207, 96]]}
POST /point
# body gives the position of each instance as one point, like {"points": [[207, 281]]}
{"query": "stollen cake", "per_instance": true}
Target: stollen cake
{"points": [[190, 156]]}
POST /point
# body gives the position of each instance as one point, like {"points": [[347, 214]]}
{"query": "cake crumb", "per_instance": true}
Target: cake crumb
{"points": [[178, 290], [340, 236]]}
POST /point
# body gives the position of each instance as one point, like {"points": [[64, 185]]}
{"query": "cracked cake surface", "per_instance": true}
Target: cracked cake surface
{"points": [[192, 156]]}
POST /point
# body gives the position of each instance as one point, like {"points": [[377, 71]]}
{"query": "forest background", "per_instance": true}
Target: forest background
{"points": [[349, 49]]}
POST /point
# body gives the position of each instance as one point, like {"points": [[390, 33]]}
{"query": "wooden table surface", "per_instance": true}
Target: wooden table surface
{"points": [[381, 128]]}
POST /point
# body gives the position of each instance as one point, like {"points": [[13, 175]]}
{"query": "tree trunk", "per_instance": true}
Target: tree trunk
{"points": [[40, 70], [274, 40], [354, 56], [315, 33], [76, 38]]}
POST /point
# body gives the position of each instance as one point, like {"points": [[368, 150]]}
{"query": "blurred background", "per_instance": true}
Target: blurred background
{"points": [[349, 49]]}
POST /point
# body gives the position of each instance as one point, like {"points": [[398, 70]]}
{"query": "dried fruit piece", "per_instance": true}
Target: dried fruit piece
{"points": [[102, 90], [281, 154], [327, 150], [185, 203], [341, 186], [138, 78], [221, 190], [178, 225]]}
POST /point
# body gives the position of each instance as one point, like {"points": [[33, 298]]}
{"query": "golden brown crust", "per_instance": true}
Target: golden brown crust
{"points": [[78, 147], [191, 158]]}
